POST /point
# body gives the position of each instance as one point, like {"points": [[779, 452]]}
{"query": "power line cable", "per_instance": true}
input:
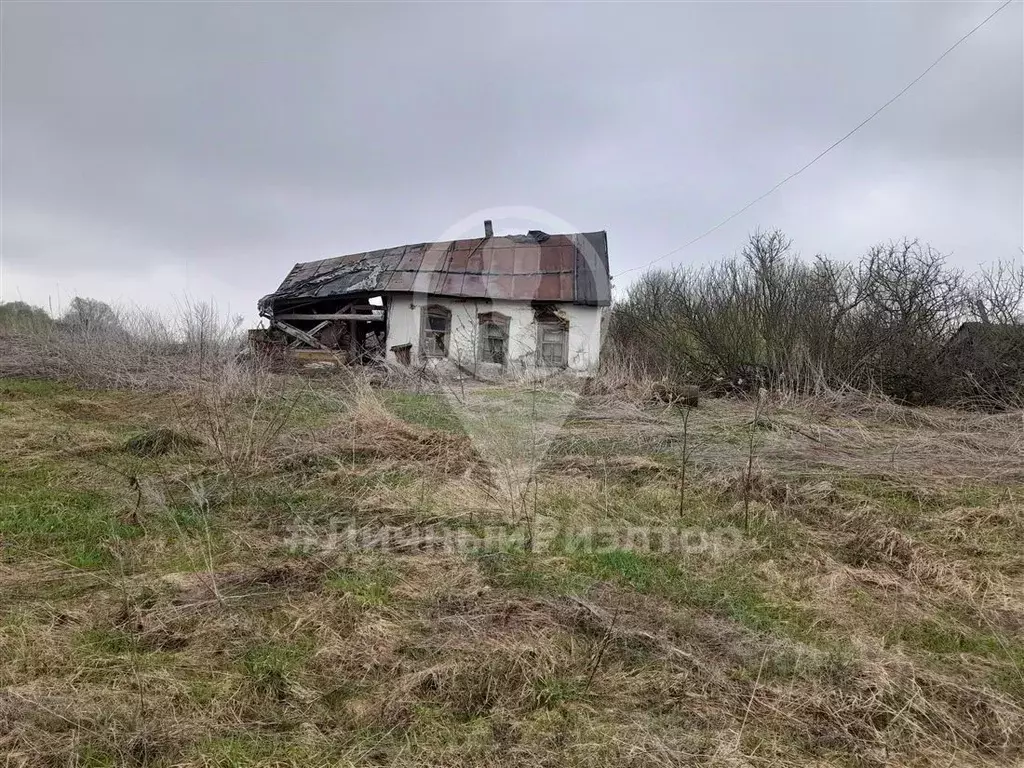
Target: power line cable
{"points": [[825, 151]]}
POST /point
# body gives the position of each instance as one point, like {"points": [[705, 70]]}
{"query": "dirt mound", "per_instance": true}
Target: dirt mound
{"points": [[377, 435]]}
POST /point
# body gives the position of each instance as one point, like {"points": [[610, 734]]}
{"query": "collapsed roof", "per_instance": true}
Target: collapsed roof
{"points": [[532, 267], [992, 339]]}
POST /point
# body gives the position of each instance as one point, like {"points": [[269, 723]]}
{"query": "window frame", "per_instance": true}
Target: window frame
{"points": [[445, 314], [492, 320], [547, 325]]}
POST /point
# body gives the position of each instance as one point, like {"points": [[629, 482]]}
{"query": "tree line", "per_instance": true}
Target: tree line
{"points": [[886, 322], [82, 314]]}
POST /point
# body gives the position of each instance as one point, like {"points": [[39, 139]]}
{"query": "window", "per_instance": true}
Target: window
{"points": [[493, 338], [553, 343], [436, 329]]}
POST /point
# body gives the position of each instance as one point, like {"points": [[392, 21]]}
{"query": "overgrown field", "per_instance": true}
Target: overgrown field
{"points": [[855, 596]]}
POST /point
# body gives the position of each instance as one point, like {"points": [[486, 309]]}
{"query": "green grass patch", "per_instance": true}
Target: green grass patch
{"points": [[93, 756], [532, 573], [106, 653], [304, 409], [519, 395], [37, 388], [641, 572], [426, 409], [552, 692], [109, 642], [947, 636], [276, 504], [37, 513], [907, 504], [359, 483], [628, 443], [730, 590], [368, 587], [433, 726], [269, 666], [946, 639], [187, 518], [622, 504], [614, 503], [252, 748]]}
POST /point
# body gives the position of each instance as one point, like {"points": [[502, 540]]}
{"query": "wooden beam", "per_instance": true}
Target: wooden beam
{"points": [[336, 316], [302, 336], [318, 327]]}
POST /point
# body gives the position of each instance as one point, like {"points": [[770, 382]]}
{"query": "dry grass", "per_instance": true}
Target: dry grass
{"points": [[155, 615], [371, 432]]}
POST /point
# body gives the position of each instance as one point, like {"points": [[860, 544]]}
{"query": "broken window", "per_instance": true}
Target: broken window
{"points": [[436, 330], [493, 338], [553, 343]]}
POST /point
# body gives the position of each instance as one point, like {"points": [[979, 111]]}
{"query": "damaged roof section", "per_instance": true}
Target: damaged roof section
{"points": [[532, 267]]}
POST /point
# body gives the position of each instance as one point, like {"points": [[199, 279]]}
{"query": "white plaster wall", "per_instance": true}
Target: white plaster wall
{"points": [[405, 322]]}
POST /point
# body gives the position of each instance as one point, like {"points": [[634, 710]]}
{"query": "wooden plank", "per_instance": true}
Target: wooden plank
{"points": [[319, 355], [302, 336], [336, 316], [318, 327]]}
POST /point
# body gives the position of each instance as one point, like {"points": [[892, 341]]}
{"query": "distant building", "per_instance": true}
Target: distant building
{"points": [[486, 305], [987, 361]]}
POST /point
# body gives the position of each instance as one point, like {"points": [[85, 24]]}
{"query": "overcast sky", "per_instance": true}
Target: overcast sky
{"points": [[149, 150]]}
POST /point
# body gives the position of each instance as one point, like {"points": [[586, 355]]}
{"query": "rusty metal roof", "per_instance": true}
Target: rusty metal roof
{"points": [[532, 267]]}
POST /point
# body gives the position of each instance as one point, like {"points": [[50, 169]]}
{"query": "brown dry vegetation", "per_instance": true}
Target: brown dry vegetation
{"points": [[153, 612]]}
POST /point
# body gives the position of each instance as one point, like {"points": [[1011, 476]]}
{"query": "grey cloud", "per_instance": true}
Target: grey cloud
{"points": [[245, 137]]}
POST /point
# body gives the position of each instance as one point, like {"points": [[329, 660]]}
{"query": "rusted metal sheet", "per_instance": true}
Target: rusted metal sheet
{"points": [[532, 267]]}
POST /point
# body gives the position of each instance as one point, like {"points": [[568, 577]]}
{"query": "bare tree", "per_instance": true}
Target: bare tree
{"points": [[997, 293], [90, 316], [769, 318]]}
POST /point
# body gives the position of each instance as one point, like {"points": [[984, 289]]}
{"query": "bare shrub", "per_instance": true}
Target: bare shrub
{"points": [[95, 345], [767, 318], [240, 412]]}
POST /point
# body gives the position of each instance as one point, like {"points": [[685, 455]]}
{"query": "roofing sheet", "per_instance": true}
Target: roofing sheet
{"points": [[531, 267]]}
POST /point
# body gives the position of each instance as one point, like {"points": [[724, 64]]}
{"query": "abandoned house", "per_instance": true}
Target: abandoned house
{"points": [[483, 305]]}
